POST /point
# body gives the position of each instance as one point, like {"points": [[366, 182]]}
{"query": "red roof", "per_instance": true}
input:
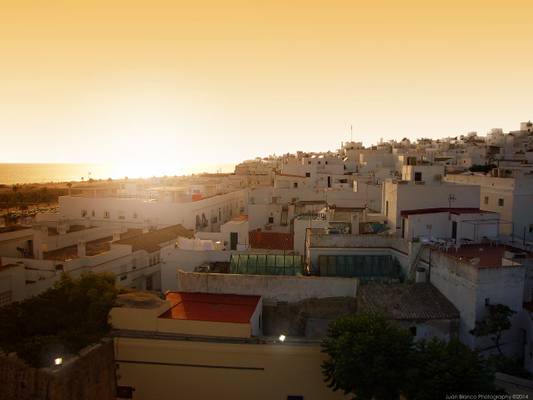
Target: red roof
{"points": [[212, 307], [489, 256], [453, 210]]}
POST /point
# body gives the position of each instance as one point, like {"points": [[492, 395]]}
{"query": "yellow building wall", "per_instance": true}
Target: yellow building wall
{"points": [[203, 328], [177, 369]]}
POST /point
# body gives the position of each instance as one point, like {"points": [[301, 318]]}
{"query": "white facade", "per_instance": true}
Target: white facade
{"points": [[399, 196]]}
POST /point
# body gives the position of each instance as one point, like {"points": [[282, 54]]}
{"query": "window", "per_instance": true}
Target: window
{"points": [[412, 330], [106, 214], [530, 228], [292, 397], [83, 213], [486, 200], [500, 202], [418, 176], [386, 208], [93, 213], [270, 220], [123, 277], [308, 174], [295, 184]]}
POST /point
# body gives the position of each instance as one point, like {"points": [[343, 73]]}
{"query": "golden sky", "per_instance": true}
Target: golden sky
{"points": [[221, 81]]}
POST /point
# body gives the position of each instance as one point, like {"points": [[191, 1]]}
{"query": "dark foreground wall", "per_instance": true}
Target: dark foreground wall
{"points": [[88, 377]]}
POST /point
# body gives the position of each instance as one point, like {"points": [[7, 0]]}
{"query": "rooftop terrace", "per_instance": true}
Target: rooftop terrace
{"points": [[486, 255]]}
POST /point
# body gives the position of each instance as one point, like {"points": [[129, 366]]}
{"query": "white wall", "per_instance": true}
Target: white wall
{"points": [[270, 287]]}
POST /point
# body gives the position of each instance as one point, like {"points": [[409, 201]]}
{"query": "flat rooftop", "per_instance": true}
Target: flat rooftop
{"points": [[489, 256], [72, 228], [240, 218], [211, 307], [13, 228], [452, 210]]}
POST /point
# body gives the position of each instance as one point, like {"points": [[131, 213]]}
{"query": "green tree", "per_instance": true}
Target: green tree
{"points": [[66, 318], [439, 369], [368, 357], [494, 324]]}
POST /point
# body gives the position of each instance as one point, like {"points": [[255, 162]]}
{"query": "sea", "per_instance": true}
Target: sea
{"points": [[47, 173]]}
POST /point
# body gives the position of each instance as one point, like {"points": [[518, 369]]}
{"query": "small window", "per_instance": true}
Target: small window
{"points": [[123, 277], [308, 174], [93, 213], [295, 184], [83, 213], [418, 176], [486, 200], [270, 220], [530, 228], [106, 214], [500, 202]]}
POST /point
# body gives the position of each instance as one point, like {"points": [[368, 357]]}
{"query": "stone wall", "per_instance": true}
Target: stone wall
{"points": [[91, 376], [271, 287]]}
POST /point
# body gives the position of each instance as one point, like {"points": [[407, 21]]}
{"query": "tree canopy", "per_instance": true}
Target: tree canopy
{"points": [[439, 369], [63, 319], [368, 356], [494, 324], [372, 358]]}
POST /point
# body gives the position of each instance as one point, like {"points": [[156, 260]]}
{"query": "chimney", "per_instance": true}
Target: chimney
{"points": [[82, 248]]}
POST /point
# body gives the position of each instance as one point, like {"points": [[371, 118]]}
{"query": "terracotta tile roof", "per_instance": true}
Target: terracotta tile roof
{"points": [[150, 241], [211, 307], [419, 301], [453, 210]]}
